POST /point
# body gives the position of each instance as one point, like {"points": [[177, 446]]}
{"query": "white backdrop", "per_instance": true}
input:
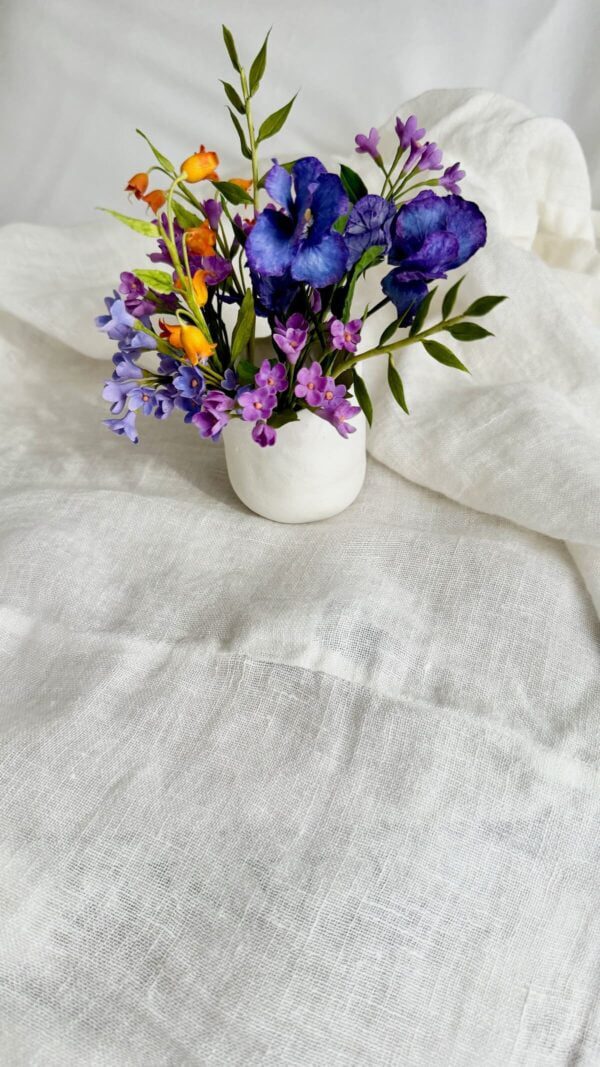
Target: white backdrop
{"points": [[79, 75]]}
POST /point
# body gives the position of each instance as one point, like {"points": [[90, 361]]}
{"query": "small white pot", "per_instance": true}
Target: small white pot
{"points": [[310, 473]]}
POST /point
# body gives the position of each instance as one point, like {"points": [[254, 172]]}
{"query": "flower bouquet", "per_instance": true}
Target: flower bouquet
{"points": [[288, 247]]}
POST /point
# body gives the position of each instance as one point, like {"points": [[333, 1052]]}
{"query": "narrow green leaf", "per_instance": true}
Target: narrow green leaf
{"points": [[443, 355], [230, 46], [340, 224], [163, 160], [187, 219], [158, 280], [274, 122], [388, 333], [233, 97], [366, 260], [233, 193], [280, 418], [353, 183], [468, 331], [240, 132], [258, 67], [244, 327], [395, 384], [246, 372], [450, 298], [148, 229], [422, 311], [484, 304], [362, 395]]}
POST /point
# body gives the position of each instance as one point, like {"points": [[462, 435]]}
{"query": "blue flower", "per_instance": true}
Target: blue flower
{"points": [[141, 396], [124, 426], [299, 240], [189, 383], [369, 223], [274, 295], [118, 324], [432, 235]]}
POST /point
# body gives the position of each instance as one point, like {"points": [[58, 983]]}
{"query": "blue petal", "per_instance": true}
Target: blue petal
{"points": [[268, 247], [278, 184], [305, 173], [274, 295], [437, 252], [321, 264], [329, 201], [429, 214], [467, 223], [415, 221], [406, 296]]}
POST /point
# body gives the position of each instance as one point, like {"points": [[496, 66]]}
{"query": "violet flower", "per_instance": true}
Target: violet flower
{"points": [[368, 143], [263, 435], [141, 396], [217, 269], [332, 394], [369, 223], [257, 403], [345, 336], [291, 338], [451, 177], [431, 157], [165, 402], [209, 424], [408, 131], [118, 324], [213, 211], [272, 377], [339, 415], [311, 383], [230, 380], [135, 294], [116, 393], [189, 382], [123, 426]]}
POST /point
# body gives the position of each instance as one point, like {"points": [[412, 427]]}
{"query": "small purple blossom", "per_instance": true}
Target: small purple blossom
{"points": [[451, 177], [217, 403], [315, 301], [118, 324], [217, 269], [291, 338], [165, 402], [332, 394], [116, 393], [135, 294], [311, 383], [431, 157], [142, 396], [124, 426], [408, 131], [209, 424], [263, 435], [368, 143], [369, 223], [273, 377], [126, 369], [230, 380], [345, 335], [257, 403], [213, 212], [339, 415], [189, 382]]}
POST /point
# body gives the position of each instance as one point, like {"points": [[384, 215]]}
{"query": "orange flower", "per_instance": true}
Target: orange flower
{"points": [[201, 165], [201, 239], [172, 334], [155, 200], [244, 183], [199, 287], [137, 185], [195, 345]]}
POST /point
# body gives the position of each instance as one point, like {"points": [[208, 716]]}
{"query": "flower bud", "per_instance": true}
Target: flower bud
{"points": [[195, 345], [199, 166], [155, 200], [201, 240], [200, 288], [137, 185]]}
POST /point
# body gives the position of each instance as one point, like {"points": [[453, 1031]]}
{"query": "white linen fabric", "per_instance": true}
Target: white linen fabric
{"points": [[323, 795]]}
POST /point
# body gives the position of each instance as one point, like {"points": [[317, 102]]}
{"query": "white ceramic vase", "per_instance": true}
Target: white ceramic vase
{"points": [[310, 473]]}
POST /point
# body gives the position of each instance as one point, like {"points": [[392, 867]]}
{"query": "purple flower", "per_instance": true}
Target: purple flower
{"points": [[257, 403], [369, 223], [217, 403], [230, 380], [451, 177], [432, 235], [118, 324], [431, 157], [116, 393], [126, 369], [300, 239], [274, 295], [345, 335], [168, 366], [315, 301], [332, 394], [189, 407], [124, 426], [408, 131], [165, 402], [213, 212], [263, 435], [311, 383], [338, 417], [189, 382], [273, 377], [209, 424], [245, 225], [368, 143], [217, 269], [141, 396], [291, 338], [135, 294]]}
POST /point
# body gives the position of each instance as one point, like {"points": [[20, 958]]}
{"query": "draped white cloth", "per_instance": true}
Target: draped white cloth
{"points": [[323, 795]]}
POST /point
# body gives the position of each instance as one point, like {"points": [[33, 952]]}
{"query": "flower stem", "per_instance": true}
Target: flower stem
{"points": [[439, 326]]}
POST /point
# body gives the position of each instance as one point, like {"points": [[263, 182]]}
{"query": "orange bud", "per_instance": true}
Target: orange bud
{"points": [[244, 183], [199, 166], [172, 334], [137, 185], [199, 287], [201, 239], [155, 200], [195, 345]]}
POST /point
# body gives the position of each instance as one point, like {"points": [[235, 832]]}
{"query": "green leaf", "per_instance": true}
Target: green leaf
{"points": [[280, 418], [388, 332], [340, 224], [246, 372], [422, 311], [362, 395], [244, 327], [233, 97], [450, 298], [443, 355], [395, 384], [233, 193], [158, 280], [163, 160], [185, 218], [230, 46], [484, 304], [258, 67], [468, 331], [353, 183], [366, 260], [240, 132], [274, 122], [148, 229]]}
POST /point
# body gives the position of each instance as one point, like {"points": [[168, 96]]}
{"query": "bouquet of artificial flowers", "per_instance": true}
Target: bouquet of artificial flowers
{"points": [[289, 245]]}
